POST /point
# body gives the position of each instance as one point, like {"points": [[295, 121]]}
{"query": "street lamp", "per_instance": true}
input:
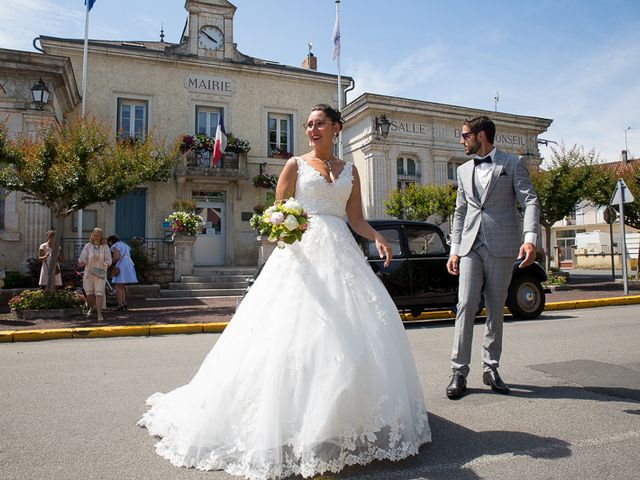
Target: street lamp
{"points": [[40, 94], [382, 125]]}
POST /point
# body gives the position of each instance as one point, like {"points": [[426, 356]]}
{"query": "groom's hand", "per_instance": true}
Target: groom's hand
{"points": [[528, 252], [452, 264]]}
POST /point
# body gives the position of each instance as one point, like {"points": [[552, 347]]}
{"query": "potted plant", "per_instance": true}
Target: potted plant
{"points": [[265, 180], [280, 152], [196, 142], [237, 144], [184, 223], [186, 143]]}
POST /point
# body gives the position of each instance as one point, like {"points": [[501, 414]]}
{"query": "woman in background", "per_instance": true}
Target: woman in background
{"points": [[44, 256], [123, 271], [95, 258]]}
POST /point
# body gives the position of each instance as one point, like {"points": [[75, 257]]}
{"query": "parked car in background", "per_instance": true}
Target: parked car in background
{"points": [[417, 278]]}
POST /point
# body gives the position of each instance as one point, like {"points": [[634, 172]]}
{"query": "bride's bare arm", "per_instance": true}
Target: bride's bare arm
{"points": [[287, 181], [360, 225]]}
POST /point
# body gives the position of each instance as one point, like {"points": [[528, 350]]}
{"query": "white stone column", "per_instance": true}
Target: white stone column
{"points": [[426, 176], [440, 163], [265, 249], [183, 256], [377, 162]]}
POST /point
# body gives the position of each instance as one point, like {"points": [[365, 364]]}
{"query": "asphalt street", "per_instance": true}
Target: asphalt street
{"points": [[69, 407]]}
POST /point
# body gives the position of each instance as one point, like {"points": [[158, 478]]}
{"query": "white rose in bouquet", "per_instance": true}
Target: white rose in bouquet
{"points": [[293, 205], [290, 222]]}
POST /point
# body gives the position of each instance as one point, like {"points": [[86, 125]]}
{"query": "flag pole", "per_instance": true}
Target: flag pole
{"points": [[84, 59], [337, 47], [84, 103]]}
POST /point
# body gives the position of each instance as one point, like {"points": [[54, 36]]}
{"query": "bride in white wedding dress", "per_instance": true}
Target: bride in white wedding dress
{"points": [[314, 372]]}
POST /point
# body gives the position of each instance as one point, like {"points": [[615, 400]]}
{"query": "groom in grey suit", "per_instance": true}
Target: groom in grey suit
{"points": [[485, 240]]}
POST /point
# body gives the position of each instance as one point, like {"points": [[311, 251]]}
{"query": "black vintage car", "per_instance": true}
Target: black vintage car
{"points": [[417, 278]]}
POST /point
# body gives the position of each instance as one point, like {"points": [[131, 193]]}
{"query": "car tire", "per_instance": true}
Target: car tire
{"points": [[526, 297]]}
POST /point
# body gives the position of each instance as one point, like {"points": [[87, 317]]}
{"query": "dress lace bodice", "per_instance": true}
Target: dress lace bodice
{"points": [[319, 197]]}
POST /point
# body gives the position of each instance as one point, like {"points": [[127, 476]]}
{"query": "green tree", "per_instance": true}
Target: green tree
{"points": [[560, 184], [72, 166], [419, 202], [603, 183]]}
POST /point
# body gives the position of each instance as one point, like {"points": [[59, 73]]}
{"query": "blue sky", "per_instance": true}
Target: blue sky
{"points": [[575, 61]]}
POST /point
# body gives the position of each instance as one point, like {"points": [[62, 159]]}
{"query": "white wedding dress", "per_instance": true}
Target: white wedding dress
{"points": [[313, 373]]}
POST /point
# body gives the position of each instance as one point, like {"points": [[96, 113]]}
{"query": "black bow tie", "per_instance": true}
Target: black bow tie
{"points": [[478, 161]]}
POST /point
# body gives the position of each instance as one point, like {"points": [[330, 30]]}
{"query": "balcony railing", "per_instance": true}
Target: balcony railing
{"points": [[157, 249], [409, 178], [197, 163]]}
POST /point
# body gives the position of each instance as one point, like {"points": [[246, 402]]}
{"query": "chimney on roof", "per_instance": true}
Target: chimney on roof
{"points": [[624, 156], [311, 61]]}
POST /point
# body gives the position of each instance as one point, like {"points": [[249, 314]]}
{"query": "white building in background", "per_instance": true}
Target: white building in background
{"points": [[422, 145]]}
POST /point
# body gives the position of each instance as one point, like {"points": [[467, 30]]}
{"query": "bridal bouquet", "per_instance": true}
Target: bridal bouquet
{"points": [[283, 223]]}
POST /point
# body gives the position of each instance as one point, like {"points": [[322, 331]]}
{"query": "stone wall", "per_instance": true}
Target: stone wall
{"points": [[160, 276], [601, 261]]}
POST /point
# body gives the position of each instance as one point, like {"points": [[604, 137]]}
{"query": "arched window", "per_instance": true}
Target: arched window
{"points": [[408, 171]]}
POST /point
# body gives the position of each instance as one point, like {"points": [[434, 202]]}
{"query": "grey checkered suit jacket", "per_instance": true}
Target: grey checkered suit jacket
{"points": [[494, 215]]}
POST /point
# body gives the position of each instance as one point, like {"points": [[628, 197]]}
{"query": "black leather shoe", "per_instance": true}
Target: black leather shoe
{"points": [[492, 378], [457, 385]]}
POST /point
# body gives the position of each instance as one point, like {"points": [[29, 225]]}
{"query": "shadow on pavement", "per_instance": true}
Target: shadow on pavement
{"points": [[449, 322], [605, 394], [455, 448]]}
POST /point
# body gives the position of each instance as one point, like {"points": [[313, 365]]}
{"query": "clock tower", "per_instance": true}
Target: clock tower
{"points": [[209, 30]]}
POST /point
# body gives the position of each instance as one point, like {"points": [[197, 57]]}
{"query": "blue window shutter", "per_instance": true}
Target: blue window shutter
{"points": [[131, 214]]}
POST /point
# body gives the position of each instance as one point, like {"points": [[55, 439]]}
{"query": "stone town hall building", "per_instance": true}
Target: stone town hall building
{"points": [[137, 87]]}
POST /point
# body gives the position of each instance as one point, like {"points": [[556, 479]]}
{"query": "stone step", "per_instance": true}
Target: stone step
{"points": [[213, 292], [215, 271], [206, 285], [215, 278]]}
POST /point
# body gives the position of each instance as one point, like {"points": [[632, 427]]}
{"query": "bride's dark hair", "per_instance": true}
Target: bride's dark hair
{"points": [[329, 111]]}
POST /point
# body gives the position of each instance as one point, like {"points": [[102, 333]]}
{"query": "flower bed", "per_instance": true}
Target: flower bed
{"points": [[40, 303]]}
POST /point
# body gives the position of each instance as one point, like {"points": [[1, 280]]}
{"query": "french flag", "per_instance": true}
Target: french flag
{"points": [[220, 142]]}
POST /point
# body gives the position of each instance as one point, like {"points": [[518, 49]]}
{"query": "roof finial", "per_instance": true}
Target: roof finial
{"points": [[162, 32]]}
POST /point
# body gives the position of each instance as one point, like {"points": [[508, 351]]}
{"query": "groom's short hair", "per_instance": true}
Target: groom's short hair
{"points": [[482, 124]]}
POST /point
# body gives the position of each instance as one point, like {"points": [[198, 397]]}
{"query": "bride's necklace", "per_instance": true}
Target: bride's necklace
{"points": [[328, 164]]}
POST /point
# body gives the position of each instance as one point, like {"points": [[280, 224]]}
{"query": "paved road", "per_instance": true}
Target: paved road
{"points": [[69, 407]]}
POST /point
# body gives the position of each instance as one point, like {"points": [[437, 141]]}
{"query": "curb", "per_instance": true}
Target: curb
{"points": [[10, 336]]}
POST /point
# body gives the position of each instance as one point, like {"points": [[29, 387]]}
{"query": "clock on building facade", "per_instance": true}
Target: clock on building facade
{"points": [[210, 38]]}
